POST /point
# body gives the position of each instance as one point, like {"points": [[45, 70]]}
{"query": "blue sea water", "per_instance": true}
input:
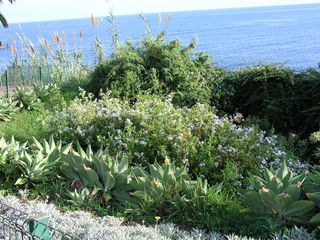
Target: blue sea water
{"points": [[234, 37]]}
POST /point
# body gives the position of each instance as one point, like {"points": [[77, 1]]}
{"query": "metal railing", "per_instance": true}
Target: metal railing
{"points": [[15, 224], [26, 75]]}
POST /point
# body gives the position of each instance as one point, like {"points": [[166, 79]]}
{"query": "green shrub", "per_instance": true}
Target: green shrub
{"points": [[315, 139], [288, 100], [152, 129], [265, 91], [156, 66], [307, 95]]}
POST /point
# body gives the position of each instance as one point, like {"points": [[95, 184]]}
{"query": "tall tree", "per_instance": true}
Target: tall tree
{"points": [[2, 18]]}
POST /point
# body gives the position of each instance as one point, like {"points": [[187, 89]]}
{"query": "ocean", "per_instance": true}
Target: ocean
{"points": [[234, 37]]}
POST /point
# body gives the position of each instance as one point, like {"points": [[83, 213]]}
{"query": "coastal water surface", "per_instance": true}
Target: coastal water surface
{"points": [[234, 37]]}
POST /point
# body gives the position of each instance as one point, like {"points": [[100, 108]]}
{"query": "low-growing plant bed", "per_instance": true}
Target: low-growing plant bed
{"points": [[86, 226]]}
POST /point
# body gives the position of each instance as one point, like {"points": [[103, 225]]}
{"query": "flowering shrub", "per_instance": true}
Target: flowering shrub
{"points": [[153, 129]]}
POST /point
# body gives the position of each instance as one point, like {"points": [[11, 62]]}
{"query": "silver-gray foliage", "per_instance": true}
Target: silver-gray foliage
{"points": [[86, 226]]}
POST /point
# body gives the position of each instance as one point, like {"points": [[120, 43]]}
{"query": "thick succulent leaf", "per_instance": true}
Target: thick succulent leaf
{"points": [[283, 171], [299, 178], [294, 191], [282, 201], [315, 198], [300, 208], [315, 219], [275, 185], [46, 146], [101, 167], [268, 175], [54, 157], [121, 196], [287, 180], [52, 143], [267, 197], [89, 177], [124, 164], [299, 220], [69, 172], [314, 178], [139, 171], [121, 180], [109, 181], [66, 148], [181, 171], [37, 144], [89, 152], [80, 150], [156, 171]]}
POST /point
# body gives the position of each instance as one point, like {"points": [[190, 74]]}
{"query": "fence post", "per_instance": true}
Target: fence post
{"points": [[7, 83], [40, 74], [38, 227]]}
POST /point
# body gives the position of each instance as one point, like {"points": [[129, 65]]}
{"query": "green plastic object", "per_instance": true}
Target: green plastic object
{"points": [[38, 226]]}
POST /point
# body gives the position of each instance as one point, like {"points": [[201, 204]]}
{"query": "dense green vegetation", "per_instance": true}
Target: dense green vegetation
{"points": [[158, 133]]}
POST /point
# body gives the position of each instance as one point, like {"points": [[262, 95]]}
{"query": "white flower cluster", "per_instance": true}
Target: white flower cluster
{"points": [[156, 129]]}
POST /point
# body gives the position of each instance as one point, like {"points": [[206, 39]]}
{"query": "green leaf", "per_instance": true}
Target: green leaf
{"points": [[66, 149], [124, 164], [89, 177], [109, 181], [282, 201], [275, 185], [314, 197], [294, 191], [300, 208], [69, 172], [121, 196], [315, 219], [283, 171], [267, 197]]}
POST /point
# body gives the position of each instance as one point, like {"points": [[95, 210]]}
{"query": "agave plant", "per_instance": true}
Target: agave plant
{"points": [[107, 175], [279, 199], [26, 98], [312, 189], [7, 109], [157, 179], [79, 197], [9, 155], [47, 147], [154, 189], [40, 162], [45, 91]]}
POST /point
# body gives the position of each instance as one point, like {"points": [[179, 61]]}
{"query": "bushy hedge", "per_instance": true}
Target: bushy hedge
{"points": [[156, 66], [154, 130], [288, 100]]}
